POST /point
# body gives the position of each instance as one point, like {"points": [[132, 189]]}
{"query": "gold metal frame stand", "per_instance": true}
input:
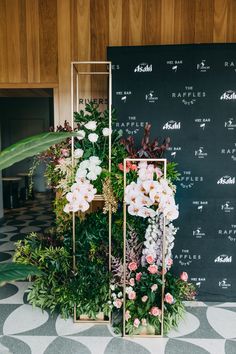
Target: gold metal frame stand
{"points": [[76, 73], [164, 161]]}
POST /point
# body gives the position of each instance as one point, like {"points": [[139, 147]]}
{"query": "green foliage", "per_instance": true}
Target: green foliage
{"points": [[172, 172], [29, 147], [52, 289], [12, 272]]}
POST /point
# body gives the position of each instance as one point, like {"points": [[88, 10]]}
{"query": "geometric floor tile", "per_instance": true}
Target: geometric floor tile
{"points": [[221, 320], [187, 325], [213, 346]]}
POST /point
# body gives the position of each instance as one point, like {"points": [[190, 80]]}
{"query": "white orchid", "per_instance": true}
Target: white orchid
{"points": [[91, 125]]}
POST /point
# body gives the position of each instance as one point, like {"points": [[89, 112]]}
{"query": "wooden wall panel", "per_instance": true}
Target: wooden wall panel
{"points": [[39, 38]]}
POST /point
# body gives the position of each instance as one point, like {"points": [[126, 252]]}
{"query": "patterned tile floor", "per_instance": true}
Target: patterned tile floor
{"points": [[207, 327]]}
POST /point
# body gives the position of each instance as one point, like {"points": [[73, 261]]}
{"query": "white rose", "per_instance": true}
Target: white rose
{"points": [[106, 131], [91, 125], [81, 134], [78, 153], [95, 160], [93, 137]]}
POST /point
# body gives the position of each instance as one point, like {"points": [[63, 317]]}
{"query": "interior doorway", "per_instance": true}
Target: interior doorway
{"points": [[24, 112]]}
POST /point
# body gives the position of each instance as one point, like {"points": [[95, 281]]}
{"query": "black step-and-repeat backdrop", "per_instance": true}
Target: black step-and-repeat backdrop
{"points": [[188, 92]]}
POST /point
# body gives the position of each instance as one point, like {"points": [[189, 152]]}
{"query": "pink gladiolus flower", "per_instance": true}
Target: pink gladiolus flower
{"points": [[132, 295], [184, 276], [131, 281], [155, 311], [169, 298], [136, 322], [144, 298], [150, 259], [154, 287], [132, 266], [127, 315], [153, 269], [138, 276]]}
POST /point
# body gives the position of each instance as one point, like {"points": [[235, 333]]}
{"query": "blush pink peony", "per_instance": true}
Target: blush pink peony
{"points": [[184, 276], [154, 287], [155, 311], [136, 322], [131, 281], [132, 295], [144, 298], [169, 298], [117, 303]]}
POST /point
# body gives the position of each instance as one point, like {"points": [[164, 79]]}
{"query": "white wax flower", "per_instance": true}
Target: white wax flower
{"points": [[106, 131], [93, 137], [91, 125], [78, 153]]}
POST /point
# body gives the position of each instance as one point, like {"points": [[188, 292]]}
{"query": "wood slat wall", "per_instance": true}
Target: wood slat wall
{"points": [[39, 38]]}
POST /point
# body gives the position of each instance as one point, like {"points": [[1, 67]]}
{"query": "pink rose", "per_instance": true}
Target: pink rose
{"points": [[184, 276], [127, 315], [136, 322], [117, 303], [150, 259], [121, 167], [155, 311], [144, 322], [144, 298], [131, 281], [132, 266], [153, 269], [132, 295], [138, 276], [169, 298], [154, 287]]}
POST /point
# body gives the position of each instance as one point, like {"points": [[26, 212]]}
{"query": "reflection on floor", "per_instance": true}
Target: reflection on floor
{"points": [[207, 327]]}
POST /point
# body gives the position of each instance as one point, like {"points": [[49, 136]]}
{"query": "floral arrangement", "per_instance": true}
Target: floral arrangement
{"points": [[151, 208]]}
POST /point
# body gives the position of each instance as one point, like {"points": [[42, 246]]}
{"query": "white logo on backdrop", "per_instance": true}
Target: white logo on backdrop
{"points": [[230, 152], [143, 68], [230, 125], [228, 96], [188, 181], [223, 258], [229, 233], [226, 180], [124, 95], [185, 258], [224, 284], [172, 125], [202, 122], [198, 233], [189, 96], [226, 207], [200, 204], [202, 67], [174, 64], [200, 153], [151, 97], [174, 150], [230, 65]]}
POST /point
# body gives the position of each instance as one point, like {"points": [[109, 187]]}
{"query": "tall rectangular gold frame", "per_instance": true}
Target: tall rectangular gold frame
{"points": [[164, 161], [75, 95]]}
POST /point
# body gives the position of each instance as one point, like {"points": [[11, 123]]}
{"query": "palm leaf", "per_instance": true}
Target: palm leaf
{"points": [[14, 271], [31, 146]]}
